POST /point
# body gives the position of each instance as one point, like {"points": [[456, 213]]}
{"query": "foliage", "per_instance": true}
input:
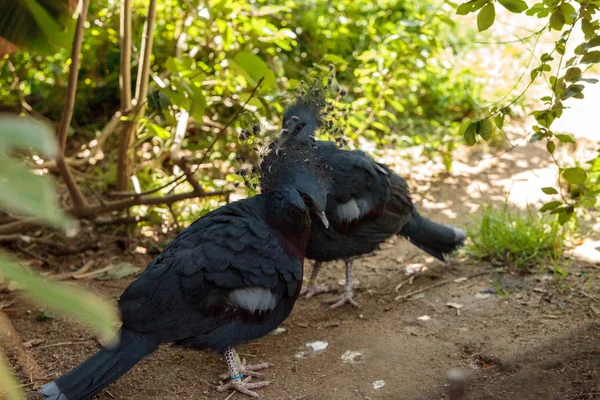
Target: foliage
{"points": [[514, 238], [579, 184], [208, 57], [43, 25], [23, 192]]}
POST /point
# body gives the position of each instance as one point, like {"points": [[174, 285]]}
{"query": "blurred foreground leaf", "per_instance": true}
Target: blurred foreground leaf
{"points": [[84, 306]]}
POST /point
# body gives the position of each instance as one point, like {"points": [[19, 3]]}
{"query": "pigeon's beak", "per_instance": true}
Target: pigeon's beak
{"points": [[324, 219]]}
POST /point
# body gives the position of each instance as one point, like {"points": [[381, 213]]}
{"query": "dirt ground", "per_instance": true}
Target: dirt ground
{"points": [[540, 340]]}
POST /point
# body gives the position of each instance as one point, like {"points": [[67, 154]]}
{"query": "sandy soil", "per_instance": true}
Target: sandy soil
{"points": [[539, 341]]}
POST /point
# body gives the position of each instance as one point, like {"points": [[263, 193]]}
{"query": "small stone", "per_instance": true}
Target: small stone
{"points": [[317, 346], [378, 384], [351, 357]]}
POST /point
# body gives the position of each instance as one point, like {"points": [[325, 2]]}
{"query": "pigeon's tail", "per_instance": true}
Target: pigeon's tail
{"points": [[100, 370], [431, 237]]}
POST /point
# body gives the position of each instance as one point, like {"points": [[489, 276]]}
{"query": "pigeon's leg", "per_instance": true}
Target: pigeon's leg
{"points": [[237, 370], [312, 288], [348, 296]]}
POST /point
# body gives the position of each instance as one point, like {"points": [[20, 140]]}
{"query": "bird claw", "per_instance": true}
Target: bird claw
{"points": [[244, 386], [312, 290], [250, 370], [347, 297]]}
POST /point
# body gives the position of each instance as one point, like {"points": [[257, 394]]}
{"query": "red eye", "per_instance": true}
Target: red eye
{"points": [[298, 128], [306, 198]]}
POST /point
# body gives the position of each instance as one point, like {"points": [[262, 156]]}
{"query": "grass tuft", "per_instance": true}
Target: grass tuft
{"points": [[523, 239]]}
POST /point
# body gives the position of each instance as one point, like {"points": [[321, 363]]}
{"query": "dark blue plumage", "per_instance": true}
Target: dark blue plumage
{"points": [[368, 204], [230, 277]]}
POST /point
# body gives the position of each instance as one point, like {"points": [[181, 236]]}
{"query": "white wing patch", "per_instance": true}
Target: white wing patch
{"points": [[348, 211], [353, 209], [253, 299]]}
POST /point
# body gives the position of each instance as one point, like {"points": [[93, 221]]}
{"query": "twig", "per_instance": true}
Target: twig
{"points": [[19, 226], [141, 91], [93, 273], [139, 201], [589, 296], [61, 344], [68, 275], [134, 219], [33, 255], [67, 115], [230, 396], [406, 296], [74, 191], [125, 75], [94, 210], [409, 279]]}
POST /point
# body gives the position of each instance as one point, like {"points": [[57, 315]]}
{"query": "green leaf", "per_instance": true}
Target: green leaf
{"points": [[485, 129], [470, 134], [573, 74], [486, 17], [499, 120], [557, 20], [76, 303], [588, 28], [26, 132], [550, 146], [564, 138], [550, 206], [565, 216], [256, 69], [574, 175], [514, 6], [55, 34], [463, 126], [40, 26], [11, 389], [592, 57], [470, 6], [549, 190], [593, 42], [568, 12], [159, 131], [334, 59], [29, 194], [573, 91]]}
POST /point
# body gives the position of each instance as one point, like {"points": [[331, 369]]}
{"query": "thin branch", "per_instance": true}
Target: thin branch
{"points": [[67, 114], [19, 226], [91, 211], [126, 152], [125, 75], [441, 283]]}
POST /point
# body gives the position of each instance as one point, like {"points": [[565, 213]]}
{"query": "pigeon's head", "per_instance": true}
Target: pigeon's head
{"points": [[303, 117], [294, 172]]}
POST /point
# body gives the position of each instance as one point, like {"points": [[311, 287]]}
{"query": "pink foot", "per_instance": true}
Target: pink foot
{"points": [[250, 370], [347, 297], [312, 290], [244, 386]]}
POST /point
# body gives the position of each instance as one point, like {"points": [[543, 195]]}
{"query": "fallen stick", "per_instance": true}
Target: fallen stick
{"points": [[406, 296], [61, 344]]}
